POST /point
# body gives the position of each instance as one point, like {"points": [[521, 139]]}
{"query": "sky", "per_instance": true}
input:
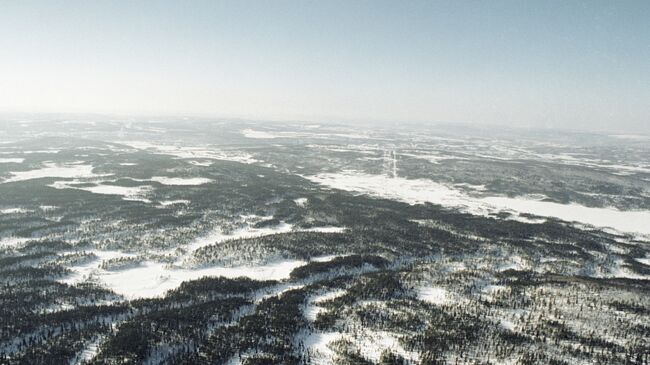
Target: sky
{"points": [[570, 64]]}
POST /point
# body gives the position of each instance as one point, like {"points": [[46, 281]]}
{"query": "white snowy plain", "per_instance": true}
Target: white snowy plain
{"points": [[134, 193], [14, 210], [193, 152], [417, 191], [12, 241], [435, 295], [12, 160], [153, 279], [51, 169], [180, 181], [250, 133]]}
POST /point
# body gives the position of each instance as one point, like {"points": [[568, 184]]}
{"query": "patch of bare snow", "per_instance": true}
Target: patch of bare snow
{"points": [[165, 203], [12, 160], [326, 229], [418, 191], [251, 133], [637, 137], [360, 149], [412, 191], [317, 345], [51, 169], [14, 210], [200, 163], [12, 241], [435, 295], [154, 279], [549, 259], [193, 152], [471, 186], [91, 269], [492, 289], [324, 258], [180, 181], [42, 151], [133, 193], [645, 261], [514, 263], [312, 308], [89, 352], [489, 292], [372, 343], [301, 202], [275, 291], [432, 158], [455, 266], [618, 271], [217, 235], [625, 221], [506, 324]]}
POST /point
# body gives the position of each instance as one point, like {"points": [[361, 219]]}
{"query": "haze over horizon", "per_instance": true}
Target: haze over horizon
{"points": [[577, 65]]}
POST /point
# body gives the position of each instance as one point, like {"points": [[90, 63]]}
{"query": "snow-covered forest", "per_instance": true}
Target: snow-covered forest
{"points": [[237, 242]]}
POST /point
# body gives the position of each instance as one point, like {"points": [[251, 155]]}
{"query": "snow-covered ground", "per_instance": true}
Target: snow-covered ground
{"points": [[165, 203], [259, 134], [134, 193], [326, 229], [217, 235], [645, 261], [370, 343], [180, 181], [301, 202], [193, 152], [14, 210], [51, 169], [417, 191], [12, 241], [619, 271], [514, 262], [432, 158], [12, 160], [200, 163], [152, 279], [90, 269], [255, 134], [89, 352], [317, 342], [489, 292], [435, 295], [312, 309], [412, 191], [317, 345], [625, 221]]}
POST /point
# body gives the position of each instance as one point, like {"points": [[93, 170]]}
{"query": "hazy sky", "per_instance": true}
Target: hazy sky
{"points": [[573, 64]]}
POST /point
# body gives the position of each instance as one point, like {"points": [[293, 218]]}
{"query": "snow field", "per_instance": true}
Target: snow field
{"points": [[51, 169], [418, 191]]}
